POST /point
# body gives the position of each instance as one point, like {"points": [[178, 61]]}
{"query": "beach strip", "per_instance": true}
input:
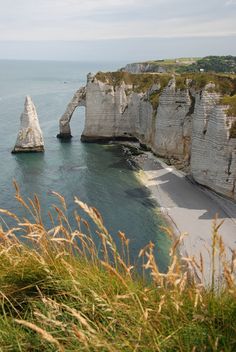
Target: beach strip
{"points": [[189, 207]]}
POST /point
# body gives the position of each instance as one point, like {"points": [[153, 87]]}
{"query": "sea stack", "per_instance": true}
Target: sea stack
{"points": [[30, 137]]}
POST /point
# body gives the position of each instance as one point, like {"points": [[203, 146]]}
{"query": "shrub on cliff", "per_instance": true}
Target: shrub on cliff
{"points": [[218, 64], [58, 292]]}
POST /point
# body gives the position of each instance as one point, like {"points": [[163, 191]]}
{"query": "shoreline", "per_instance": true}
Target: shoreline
{"points": [[189, 209]]}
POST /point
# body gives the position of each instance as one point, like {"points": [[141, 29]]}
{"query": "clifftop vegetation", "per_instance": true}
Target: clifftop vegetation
{"points": [[139, 83], [60, 292], [217, 64], [224, 84]]}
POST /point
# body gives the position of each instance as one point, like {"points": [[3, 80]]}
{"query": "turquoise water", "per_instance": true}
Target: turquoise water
{"points": [[98, 174]]}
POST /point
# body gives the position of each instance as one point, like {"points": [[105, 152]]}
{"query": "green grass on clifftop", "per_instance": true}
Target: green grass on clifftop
{"points": [[230, 102], [224, 84], [217, 64], [140, 83], [59, 292]]}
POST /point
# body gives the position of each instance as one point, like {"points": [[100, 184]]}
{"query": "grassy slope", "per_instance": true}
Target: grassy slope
{"points": [[57, 294], [219, 64], [225, 83]]}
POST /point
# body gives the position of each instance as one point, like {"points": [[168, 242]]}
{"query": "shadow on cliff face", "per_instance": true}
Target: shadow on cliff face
{"points": [[183, 193]]}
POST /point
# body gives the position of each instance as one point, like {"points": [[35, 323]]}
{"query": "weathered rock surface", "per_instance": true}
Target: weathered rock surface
{"points": [[78, 99], [175, 121], [143, 67], [213, 154], [107, 115], [30, 137], [173, 125], [119, 112]]}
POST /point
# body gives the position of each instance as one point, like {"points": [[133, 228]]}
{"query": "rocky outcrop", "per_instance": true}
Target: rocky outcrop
{"points": [[29, 138], [110, 111], [143, 67], [78, 99], [123, 112], [178, 118]]}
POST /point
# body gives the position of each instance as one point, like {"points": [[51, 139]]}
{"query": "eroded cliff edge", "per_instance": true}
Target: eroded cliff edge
{"points": [[190, 118]]}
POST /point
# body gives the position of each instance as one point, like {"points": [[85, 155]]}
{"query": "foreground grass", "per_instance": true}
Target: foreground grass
{"points": [[57, 293]]}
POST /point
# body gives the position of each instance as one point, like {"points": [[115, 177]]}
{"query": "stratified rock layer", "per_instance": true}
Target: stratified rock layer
{"points": [[213, 154], [173, 125], [29, 138]]}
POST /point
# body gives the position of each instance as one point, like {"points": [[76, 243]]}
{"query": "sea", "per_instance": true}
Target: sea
{"points": [[100, 175]]}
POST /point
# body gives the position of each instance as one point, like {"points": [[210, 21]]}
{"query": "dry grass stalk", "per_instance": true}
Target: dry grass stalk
{"points": [[61, 199], [43, 333], [47, 321], [80, 335], [59, 255], [80, 318], [114, 272]]}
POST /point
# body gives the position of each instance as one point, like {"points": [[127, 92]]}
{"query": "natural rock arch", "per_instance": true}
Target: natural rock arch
{"points": [[79, 99]]}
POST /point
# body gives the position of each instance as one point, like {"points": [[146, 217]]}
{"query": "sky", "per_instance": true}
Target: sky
{"points": [[128, 30]]}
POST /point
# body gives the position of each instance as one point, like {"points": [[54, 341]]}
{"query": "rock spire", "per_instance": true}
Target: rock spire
{"points": [[29, 138]]}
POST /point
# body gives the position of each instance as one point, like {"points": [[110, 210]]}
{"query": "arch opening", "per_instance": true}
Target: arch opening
{"points": [[79, 99]]}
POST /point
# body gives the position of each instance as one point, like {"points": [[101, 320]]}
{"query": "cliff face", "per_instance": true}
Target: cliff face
{"points": [[213, 153], [173, 123], [116, 112], [144, 67], [159, 117], [176, 117]]}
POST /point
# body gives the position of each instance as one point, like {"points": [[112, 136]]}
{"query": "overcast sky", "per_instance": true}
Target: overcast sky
{"points": [[73, 26]]}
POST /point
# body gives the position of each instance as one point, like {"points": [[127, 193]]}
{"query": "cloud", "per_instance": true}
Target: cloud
{"points": [[230, 2], [107, 19]]}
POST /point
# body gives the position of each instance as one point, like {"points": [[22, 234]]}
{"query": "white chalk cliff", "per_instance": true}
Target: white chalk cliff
{"points": [[144, 67], [30, 137], [213, 152], [177, 121]]}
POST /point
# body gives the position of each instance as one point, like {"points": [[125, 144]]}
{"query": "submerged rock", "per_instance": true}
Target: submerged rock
{"points": [[30, 137]]}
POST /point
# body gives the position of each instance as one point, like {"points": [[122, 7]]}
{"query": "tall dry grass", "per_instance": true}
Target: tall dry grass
{"points": [[58, 292]]}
